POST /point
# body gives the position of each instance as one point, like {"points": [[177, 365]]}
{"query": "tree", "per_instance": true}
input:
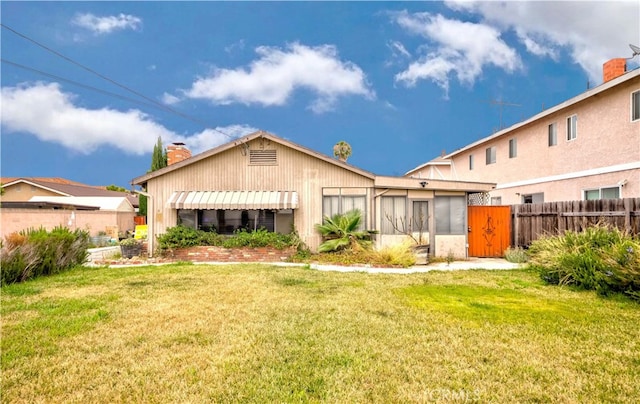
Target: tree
{"points": [[159, 156], [114, 187], [342, 150], [340, 232], [158, 161]]}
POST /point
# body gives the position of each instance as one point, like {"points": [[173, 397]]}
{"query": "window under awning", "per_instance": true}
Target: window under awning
{"points": [[233, 200]]}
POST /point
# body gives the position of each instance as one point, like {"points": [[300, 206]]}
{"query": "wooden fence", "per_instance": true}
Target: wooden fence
{"points": [[531, 221]]}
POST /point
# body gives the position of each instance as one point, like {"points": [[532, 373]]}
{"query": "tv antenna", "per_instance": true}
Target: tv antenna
{"points": [[502, 104]]}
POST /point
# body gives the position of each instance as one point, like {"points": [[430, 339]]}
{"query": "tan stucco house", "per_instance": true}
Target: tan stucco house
{"points": [[262, 180], [587, 147], [50, 202]]}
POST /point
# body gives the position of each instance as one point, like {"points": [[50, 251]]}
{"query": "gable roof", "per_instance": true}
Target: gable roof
{"points": [[57, 180], [237, 142], [113, 203], [570, 102], [69, 188], [438, 161]]}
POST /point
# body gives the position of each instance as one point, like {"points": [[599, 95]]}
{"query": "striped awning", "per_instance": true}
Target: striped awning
{"points": [[233, 200]]}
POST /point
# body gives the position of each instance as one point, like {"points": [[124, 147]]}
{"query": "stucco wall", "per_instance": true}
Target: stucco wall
{"points": [[13, 220], [605, 151]]}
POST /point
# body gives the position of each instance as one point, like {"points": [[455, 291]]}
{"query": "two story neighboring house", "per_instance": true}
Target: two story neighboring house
{"points": [[264, 181], [585, 148]]}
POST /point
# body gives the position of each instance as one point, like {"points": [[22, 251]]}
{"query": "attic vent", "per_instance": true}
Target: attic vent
{"points": [[263, 157]]}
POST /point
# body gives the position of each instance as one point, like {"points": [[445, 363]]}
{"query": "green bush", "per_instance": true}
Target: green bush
{"points": [[37, 252], [258, 238], [598, 258], [182, 237], [517, 255]]}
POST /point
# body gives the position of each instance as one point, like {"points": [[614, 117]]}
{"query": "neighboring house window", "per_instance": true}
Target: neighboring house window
{"points": [[394, 214], [496, 200], [635, 106], [491, 155], [553, 135], [572, 127], [602, 193], [513, 148], [533, 198], [338, 204], [450, 215], [470, 162]]}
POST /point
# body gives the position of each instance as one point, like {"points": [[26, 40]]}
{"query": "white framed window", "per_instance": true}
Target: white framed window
{"points": [[553, 134], [491, 155], [496, 200], [420, 219], [513, 148], [450, 214], [635, 106], [470, 162], [572, 127], [533, 198], [339, 204], [394, 214], [601, 193]]}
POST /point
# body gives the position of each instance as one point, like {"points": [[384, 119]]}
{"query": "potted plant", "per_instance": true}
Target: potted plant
{"points": [[130, 247]]}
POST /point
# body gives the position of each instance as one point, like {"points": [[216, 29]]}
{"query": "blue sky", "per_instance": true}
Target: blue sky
{"points": [[400, 81]]}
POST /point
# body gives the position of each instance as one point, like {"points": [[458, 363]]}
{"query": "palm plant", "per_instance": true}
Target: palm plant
{"points": [[342, 150], [341, 231]]}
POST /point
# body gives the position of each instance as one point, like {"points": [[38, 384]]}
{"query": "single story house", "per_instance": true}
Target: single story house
{"points": [[51, 202], [262, 180]]}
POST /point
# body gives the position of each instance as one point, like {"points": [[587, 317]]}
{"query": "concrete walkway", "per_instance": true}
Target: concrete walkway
{"points": [[471, 263]]}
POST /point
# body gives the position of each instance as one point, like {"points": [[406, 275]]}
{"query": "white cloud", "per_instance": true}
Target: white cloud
{"points": [[108, 24], [170, 99], [43, 110], [592, 31], [271, 79], [210, 138], [459, 47]]}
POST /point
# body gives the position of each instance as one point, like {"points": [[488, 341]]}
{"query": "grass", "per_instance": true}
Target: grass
{"points": [[251, 333]]}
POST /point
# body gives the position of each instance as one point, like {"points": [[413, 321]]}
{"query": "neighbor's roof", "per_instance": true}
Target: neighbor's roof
{"points": [[259, 134], [65, 187], [57, 180], [587, 94], [118, 203], [438, 161]]}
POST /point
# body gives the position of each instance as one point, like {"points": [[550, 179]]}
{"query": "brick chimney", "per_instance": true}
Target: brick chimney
{"points": [[176, 152], [614, 68]]}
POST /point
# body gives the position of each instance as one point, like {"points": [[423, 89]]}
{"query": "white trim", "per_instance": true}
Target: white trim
{"points": [[631, 114], [575, 100], [568, 176], [570, 128]]}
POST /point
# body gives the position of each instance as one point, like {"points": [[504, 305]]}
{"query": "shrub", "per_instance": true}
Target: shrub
{"points": [[517, 255], [340, 232], [182, 237], [37, 252], [258, 238], [396, 255], [598, 258]]}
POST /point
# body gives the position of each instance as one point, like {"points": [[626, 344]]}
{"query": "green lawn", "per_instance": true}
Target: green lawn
{"points": [[251, 333]]}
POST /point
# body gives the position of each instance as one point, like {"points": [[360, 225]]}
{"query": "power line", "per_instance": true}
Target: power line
{"points": [[88, 87], [151, 100]]}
